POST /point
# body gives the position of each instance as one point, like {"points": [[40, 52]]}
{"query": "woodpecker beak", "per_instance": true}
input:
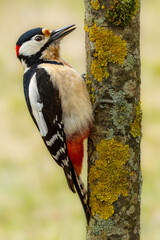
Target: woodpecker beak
{"points": [[60, 33]]}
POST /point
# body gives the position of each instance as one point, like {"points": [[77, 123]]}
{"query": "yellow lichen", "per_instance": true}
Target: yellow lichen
{"points": [[86, 28], [131, 174], [108, 177], [108, 48], [91, 90], [136, 125], [95, 4]]}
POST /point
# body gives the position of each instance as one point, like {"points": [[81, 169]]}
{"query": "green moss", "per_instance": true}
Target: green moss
{"points": [[121, 111], [121, 12], [108, 48], [95, 4], [136, 125], [108, 177]]}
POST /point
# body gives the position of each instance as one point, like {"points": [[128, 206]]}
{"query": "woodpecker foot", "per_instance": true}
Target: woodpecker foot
{"points": [[83, 75]]}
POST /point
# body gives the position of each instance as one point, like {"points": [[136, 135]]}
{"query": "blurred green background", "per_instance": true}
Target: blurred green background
{"points": [[35, 202]]}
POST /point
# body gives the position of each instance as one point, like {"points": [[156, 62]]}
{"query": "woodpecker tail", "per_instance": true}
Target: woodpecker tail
{"points": [[74, 181], [82, 193], [69, 178]]}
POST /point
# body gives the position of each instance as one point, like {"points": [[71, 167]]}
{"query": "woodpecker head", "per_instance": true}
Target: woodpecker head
{"points": [[40, 44]]}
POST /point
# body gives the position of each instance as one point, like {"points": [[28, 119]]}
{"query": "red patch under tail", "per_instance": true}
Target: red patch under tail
{"points": [[76, 151], [75, 154]]}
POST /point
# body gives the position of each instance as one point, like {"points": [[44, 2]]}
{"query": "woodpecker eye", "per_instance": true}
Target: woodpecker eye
{"points": [[38, 38]]}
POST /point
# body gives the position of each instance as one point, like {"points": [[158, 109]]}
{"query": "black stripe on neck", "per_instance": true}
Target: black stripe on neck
{"points": [[33, 60], [53, 62]]}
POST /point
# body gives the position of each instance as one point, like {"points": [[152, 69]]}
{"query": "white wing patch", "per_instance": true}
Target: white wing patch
{"points": [[36, 106], [65, 162], [59, 152], [54, 138]]}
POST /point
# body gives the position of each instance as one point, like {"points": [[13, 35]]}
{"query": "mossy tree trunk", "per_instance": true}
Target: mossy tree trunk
{"points": [[113, 79]]}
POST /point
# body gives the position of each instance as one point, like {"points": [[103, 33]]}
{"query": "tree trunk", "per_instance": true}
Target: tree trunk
{"points": [[113, 79]]}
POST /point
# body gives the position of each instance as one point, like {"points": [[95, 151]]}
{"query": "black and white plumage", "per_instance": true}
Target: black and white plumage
{"points": [[45, 108], [57, 100]]}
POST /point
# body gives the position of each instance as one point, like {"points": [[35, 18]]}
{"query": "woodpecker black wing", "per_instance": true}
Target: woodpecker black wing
{"points": [[45, 108]]}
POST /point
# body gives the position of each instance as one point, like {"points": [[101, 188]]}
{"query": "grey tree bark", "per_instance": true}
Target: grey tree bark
{"points": [[113, 79]]}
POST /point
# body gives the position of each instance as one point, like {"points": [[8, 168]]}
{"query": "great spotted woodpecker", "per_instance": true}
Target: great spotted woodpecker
{"points": [[58, 101]]}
